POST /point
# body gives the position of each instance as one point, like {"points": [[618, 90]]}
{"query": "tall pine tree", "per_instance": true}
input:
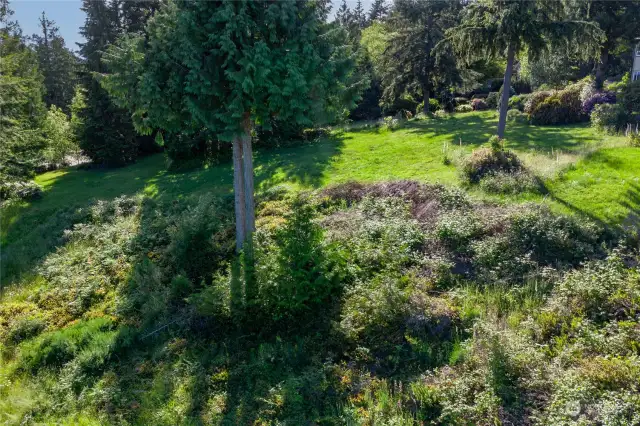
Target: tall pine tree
{"points": [[198, 70], [57, 64], [22, 110], [108, 136]]}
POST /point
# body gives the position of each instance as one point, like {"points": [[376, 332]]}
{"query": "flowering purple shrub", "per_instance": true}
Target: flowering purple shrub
{"points": [[479, 105], [598, 98]]}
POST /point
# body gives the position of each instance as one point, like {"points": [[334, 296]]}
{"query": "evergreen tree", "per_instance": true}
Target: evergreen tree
{"points": [[197, 71], [359, 17], [493, 28], [22, 110], [378, 10], [620, 21], [108, 136], [411, 62], [57, 64], [344, 16]]}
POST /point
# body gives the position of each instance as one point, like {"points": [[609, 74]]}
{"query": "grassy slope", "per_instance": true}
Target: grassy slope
{"points": [[414, 152], [602, 184]]}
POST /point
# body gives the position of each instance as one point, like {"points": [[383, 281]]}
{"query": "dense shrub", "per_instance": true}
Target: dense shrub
{"points": [[19, 189], [517, 116], [630, 96], [464, 108], [479, 104], [610, 118], [200, 240], [561, 107], [392, 123], [633, 137], [509, 183], [535, 99], [596, 99], [379, 234], [461, 101], [434, 105], [56, 348], [518, 102], [492, 100], [307, 272], [485, 161]]}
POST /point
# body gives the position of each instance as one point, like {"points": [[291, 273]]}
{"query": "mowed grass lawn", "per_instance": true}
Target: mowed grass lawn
{"points": [[603, 183]]}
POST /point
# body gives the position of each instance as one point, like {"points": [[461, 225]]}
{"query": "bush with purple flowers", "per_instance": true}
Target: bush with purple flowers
{"points": [[598, 98]]}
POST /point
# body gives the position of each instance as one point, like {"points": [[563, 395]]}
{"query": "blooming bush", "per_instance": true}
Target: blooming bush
{"points": [[596, 99], [479, 105]]}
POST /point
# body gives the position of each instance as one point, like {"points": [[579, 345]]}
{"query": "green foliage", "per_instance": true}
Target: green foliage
{"points": [[562, 107], [633, 138], [434, 105], [106, 134], [199, 240], [510, 183], [58, 65], [160, 93], [411, 64], [630, 97], [464, 108], [60, 141], [307, 271], [534, 100], [485, 161], [492, 100], [518, 102], [56, 348], [23, 112], [610, 118]]}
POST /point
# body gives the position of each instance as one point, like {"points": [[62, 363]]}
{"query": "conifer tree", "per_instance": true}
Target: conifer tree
{"points": [[503, 28], [378, 10], [620, 21], [108, 136], [57, 64], [230, 66], [22, 110], [411, 61]]}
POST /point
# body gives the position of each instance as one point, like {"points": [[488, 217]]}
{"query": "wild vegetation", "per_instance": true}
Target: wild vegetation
{"points": [[272, 213]]}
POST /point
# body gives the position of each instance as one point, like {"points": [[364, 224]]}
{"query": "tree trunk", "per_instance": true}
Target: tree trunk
{"points": [[506, 87], [602, 67], [425, 96], [238, 191], [247, 152]]}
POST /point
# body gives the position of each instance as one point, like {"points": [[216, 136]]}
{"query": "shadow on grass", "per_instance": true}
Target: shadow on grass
{"points": [[475, 130], [32, 230]]}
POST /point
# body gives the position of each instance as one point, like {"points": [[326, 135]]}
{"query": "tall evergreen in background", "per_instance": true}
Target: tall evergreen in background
{"points": [[411, 62], [22, 110], [57, 64], [107, 135]]}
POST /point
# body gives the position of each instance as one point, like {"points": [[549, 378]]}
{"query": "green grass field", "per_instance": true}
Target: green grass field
{"points": [[105, 290], [584, 172], [603, 184]]}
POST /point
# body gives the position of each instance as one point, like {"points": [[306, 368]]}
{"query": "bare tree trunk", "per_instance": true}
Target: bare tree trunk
{"points": [[238, 191], [506, 87], [602, 67], [247, 152], [425, 98]]}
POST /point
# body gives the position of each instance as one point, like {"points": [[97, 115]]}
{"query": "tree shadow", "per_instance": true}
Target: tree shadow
{"points": [[31, 230], [475, 130]]}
